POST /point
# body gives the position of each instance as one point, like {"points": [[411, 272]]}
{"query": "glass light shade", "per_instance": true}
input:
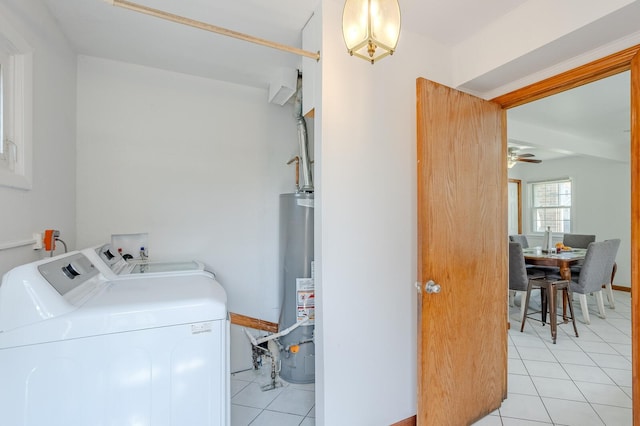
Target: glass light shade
{"points": [[371, 28]]}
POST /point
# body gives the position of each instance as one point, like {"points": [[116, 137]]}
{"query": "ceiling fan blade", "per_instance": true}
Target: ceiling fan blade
{"points": [[526, 160], [526, 155]]}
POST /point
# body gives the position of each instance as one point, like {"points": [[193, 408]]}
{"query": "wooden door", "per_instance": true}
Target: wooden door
{"points": [[462, 246]]}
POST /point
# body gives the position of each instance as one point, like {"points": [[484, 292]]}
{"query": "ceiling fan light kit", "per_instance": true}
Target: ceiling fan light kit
{"points": [[513, 157]]}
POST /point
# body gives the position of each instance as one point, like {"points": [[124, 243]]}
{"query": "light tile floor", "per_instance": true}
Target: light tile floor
{"points": [[289, 404], [579, 381]]}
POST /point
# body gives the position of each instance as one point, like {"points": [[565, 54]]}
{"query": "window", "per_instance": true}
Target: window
{"points": [[16, 70], [551, 205]]}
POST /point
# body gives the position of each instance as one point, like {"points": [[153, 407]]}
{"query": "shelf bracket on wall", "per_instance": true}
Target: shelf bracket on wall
{"points": [[211, 28]]}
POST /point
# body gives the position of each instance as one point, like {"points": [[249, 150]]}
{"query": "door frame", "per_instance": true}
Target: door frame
{"points": [[596, 70], [518, 184]]}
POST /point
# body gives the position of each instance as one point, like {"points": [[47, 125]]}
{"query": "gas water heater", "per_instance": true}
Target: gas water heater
{"points": [[296, 275]]}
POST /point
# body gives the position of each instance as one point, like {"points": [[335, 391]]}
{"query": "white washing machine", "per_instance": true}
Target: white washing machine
{"points": [[113, 265], [78, 349]]}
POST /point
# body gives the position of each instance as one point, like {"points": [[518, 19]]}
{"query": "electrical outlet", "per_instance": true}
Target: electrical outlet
{"points": [[49, 240], [38, 244]]}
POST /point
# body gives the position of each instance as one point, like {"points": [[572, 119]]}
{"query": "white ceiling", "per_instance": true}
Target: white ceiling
{"points": [[592, 120], [97, 28]]}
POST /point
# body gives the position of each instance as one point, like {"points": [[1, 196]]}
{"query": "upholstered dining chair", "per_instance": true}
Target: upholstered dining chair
{"points": [[596, 272], [611, 266], [524, 243], [519, 276], [520, 238], [578, 240]]}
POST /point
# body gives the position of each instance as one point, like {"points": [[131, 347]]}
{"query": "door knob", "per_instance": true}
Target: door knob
{"points": [[432, 288]]}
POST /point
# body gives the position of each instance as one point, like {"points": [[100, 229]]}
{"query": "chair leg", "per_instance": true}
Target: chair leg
{"points": [[585, 308], [553, 304], [613, 271], [600, 301], [573, 316], [522, 305], [612, 302], [526, 306], [544, 302]]}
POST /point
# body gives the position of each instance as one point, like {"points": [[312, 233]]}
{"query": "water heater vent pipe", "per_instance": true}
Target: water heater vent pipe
{"points": [[306, 184]]}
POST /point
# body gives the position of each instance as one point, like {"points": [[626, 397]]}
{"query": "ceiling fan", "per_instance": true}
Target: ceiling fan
{"points": [[513, 157]]}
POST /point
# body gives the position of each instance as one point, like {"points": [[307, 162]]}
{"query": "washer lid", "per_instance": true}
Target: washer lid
{"points": [[136, 303], [113, 265]]}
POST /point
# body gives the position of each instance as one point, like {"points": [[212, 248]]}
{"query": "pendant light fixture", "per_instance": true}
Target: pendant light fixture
{"points": [[371, 28]]}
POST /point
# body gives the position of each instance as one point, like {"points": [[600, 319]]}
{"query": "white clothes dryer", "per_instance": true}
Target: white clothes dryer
{"points": [[78, 349]]}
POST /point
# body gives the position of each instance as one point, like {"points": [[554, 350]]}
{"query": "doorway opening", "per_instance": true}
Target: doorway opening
{"points": [[625, 60]]}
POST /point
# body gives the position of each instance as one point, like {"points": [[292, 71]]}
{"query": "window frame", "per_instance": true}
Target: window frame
{"points": [[533, 209], [17, 101]]}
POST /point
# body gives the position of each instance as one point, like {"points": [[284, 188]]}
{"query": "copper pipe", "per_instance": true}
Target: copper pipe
{"points": [[297, 160]]}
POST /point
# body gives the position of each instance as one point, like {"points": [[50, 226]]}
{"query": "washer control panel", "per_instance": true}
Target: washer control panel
{"points": [[68, 273]]}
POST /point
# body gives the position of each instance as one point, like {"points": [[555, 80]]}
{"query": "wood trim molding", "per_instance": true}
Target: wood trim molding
{"points": [[621, 288], [255, 323], [409, 421], [635, 235], [601, 68], [628, 59]]}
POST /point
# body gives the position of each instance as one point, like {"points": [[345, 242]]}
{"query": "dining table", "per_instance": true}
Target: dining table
{"points": [[563, 260]]}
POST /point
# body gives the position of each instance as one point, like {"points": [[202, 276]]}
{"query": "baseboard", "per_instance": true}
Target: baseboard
{"points": [[254, 323], [410, 421], [621, 288]]}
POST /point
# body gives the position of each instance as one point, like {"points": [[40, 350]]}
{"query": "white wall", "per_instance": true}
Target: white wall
{"points": [[366, 347], [198, 164], [366, 371], [51, 201], [602, 201]]}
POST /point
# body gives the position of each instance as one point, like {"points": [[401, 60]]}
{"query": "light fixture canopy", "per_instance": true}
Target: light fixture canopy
{"points": [[371, 28]]}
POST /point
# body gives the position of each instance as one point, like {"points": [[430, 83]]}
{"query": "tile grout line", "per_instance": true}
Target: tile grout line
{"points": [[596, 332]]}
